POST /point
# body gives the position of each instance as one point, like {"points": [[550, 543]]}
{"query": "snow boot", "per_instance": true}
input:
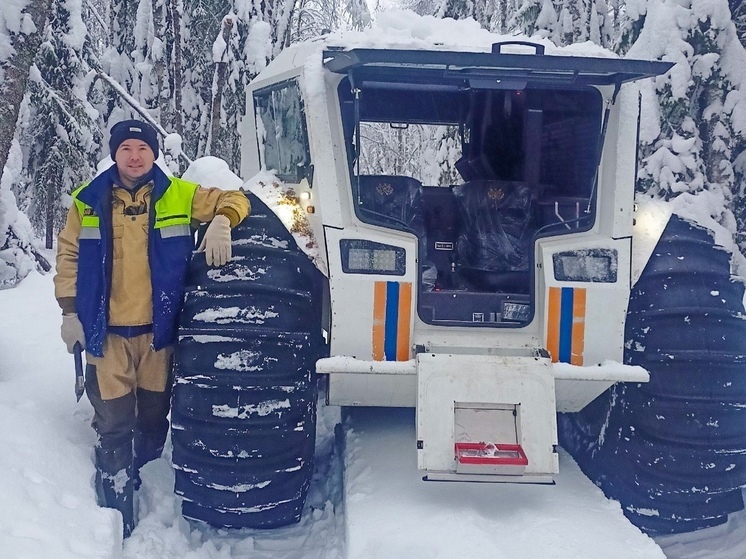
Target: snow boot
{"points": [[151, 428], [115, 485], [147, 447]]}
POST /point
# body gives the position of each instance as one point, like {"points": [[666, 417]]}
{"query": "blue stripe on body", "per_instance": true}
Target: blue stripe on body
{"points": [[565, 328], [392, 320]]}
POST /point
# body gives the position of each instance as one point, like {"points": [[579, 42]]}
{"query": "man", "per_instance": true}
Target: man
{"points": [[122, 261]]}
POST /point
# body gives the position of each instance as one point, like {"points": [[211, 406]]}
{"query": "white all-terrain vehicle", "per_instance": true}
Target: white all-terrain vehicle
{"points": [[491, 281]]}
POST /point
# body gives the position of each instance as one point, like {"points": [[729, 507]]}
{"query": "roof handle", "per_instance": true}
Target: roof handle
{"points": [[538, 49]]}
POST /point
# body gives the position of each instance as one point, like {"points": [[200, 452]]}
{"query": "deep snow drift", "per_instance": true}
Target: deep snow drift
{"points": [[46, 465], [390, 512]]}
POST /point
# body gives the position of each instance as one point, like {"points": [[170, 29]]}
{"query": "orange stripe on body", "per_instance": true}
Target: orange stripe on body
{"points": [[403, 321], [379, 319], [553, 322], [578, 326]]}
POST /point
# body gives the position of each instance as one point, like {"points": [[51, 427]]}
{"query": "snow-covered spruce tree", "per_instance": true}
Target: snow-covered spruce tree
{"points": [[694, 133], [187, 62], [133, 77], [142, 66], [20, 36], [210, 50], [525, 19], [356, 15], [250, 35], [738, 15], [95, 16], [60, 135], [199, 25], [586, 20], [227, 91], [159, 61], [311, 18], [563, 21], [117, 62], [18, 254], [148, 55], [493, 15]]}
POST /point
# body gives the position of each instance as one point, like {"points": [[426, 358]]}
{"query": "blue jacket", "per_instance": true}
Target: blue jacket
{"points": [[170, 245]]}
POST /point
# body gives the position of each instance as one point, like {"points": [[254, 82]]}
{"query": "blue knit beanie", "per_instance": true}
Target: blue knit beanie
{"points": [[132, 130]]}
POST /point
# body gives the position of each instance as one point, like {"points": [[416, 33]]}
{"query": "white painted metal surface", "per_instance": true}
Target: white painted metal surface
{"points": [[447, 382], [600, 321], [576, 387], [352, 294], [358, 382], [394, 391]]}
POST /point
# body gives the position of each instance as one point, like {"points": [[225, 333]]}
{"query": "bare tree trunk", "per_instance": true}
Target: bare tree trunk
{"points": [[49, 222], [51, 177], [221, 71], [716, 159], [16, 70], [178, 72]]}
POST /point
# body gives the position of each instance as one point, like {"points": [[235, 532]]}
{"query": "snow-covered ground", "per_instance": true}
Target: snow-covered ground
{"points": [[391, 512], [48, 504]]}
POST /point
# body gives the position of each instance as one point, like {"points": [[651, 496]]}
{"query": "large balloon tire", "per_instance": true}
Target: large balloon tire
{"points": [[673, 451], [244, 402]]}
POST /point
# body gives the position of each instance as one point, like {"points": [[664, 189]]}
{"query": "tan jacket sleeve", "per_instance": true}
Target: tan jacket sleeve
{"points": [[66, 276], [209, 202]]}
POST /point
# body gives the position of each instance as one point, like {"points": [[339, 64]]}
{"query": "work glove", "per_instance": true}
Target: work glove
{"points": [[72, 331], [217, 241]]}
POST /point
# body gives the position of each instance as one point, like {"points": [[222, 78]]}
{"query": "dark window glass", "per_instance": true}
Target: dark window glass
{"points": [[281, 129]]}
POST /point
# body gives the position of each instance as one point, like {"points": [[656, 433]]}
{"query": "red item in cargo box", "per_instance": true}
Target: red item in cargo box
{"points": [[488, 458]]}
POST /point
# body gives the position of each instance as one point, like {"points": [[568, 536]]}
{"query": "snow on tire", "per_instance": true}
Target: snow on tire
{"points": [[673, 451], [244, 400]]}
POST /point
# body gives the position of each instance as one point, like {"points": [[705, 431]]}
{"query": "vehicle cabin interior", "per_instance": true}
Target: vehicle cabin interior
{"points": [[477, 175]]}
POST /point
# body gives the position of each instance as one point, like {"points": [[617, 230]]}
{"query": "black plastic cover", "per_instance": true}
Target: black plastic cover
{"points": [[497, 227], [442, 68]]}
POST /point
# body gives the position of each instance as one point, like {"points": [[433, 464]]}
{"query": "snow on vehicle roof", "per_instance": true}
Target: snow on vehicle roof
{"points": [[403, 29], [406, 30]]}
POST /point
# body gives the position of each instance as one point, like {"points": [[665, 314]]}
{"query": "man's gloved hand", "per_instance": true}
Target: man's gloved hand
{"points": [[72, 331], [217, 241]]}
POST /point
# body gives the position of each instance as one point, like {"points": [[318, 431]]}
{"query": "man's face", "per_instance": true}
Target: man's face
{"points": [[134, 160]]}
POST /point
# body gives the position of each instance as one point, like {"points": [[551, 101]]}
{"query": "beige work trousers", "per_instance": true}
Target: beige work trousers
{"points": [[130, 363]]}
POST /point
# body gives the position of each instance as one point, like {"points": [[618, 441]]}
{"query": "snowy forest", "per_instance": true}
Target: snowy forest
{"points": [[69, 69]]}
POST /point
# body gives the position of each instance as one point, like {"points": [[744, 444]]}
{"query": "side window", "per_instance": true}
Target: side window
{"points": [[281, 131]]}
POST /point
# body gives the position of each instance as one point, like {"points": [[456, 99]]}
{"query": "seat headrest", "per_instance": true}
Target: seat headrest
{"points": [[379, 188]]}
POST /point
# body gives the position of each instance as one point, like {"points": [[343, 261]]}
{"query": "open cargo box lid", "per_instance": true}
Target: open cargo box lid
{"points": [[478, 69]]}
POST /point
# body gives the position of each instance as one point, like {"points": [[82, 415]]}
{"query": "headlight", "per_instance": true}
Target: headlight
{"points": [[593, 265], [515, 312], [368, 257]]}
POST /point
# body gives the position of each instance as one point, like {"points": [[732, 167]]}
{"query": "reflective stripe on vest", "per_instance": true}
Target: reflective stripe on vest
{"points": [[88, 232], [175, 231]]}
